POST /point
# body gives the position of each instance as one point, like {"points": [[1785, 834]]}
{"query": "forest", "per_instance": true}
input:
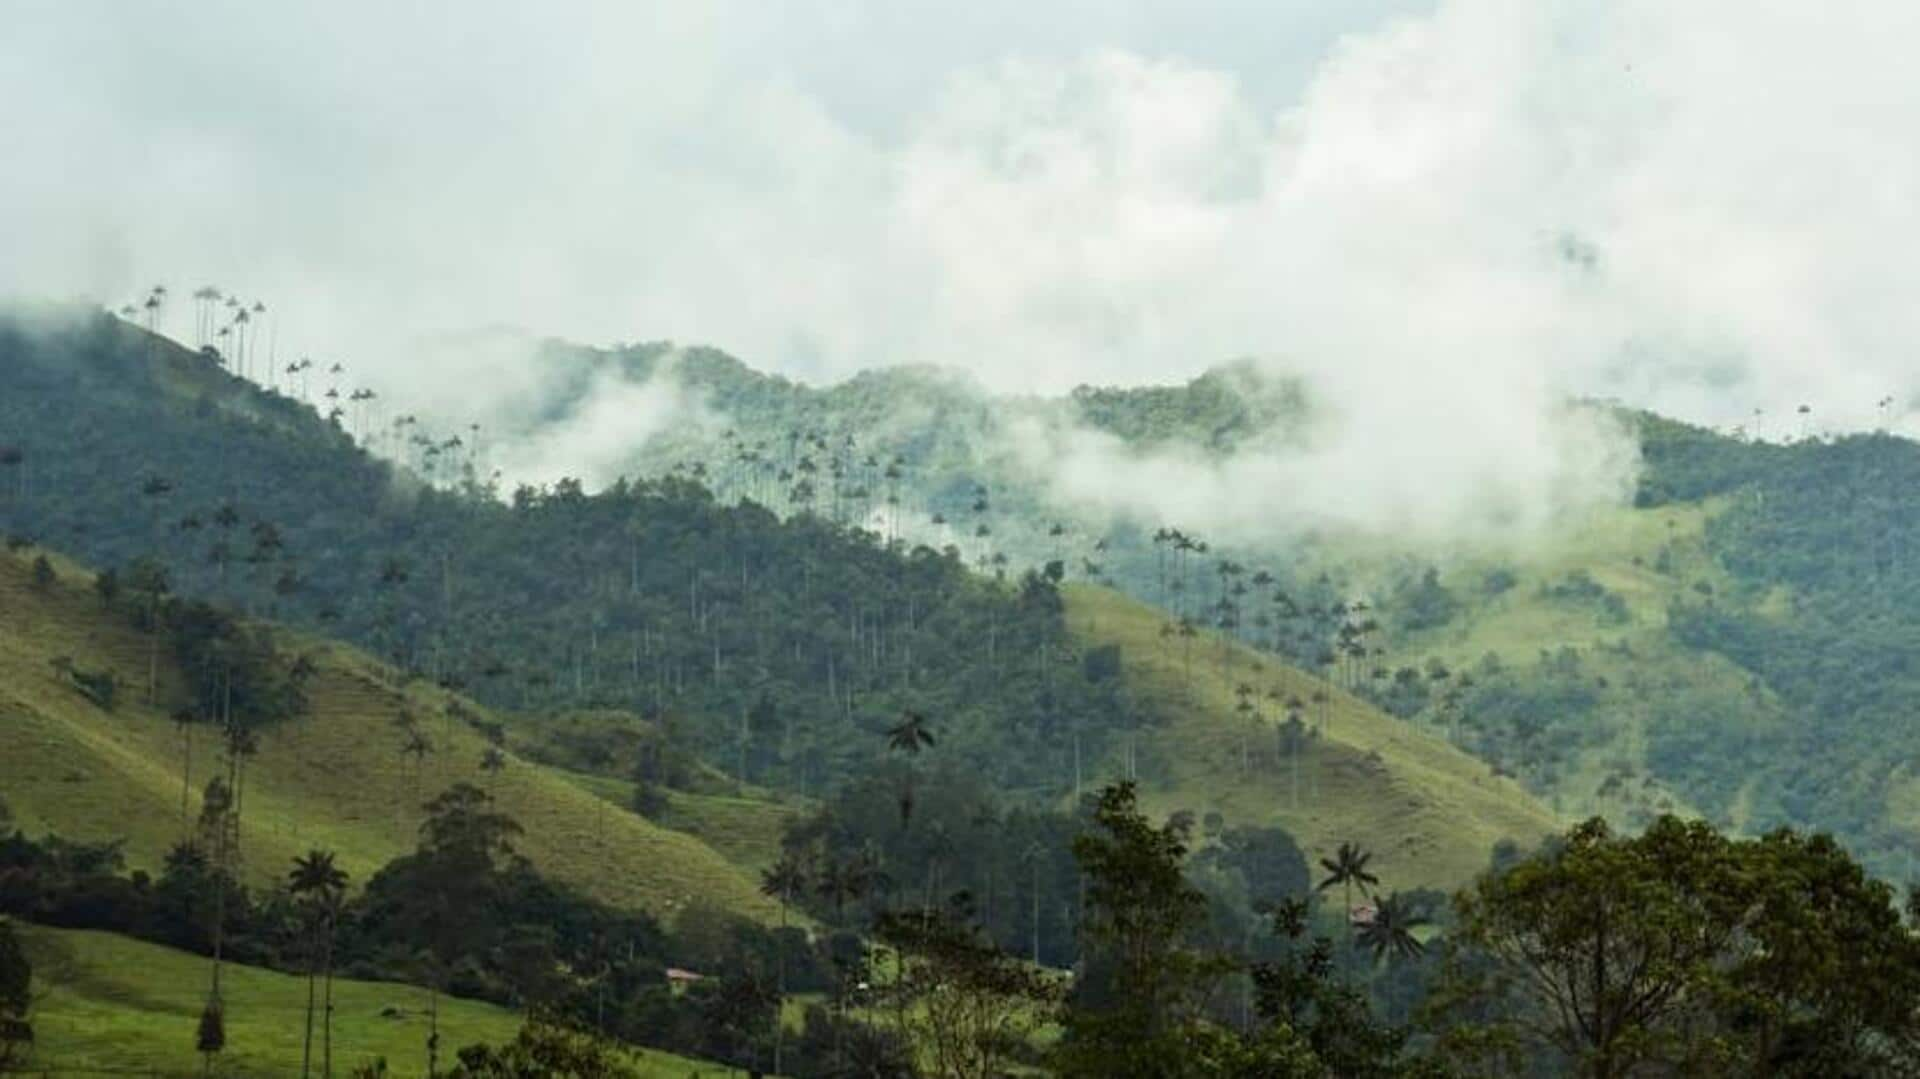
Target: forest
{"points": [[963, 886]]}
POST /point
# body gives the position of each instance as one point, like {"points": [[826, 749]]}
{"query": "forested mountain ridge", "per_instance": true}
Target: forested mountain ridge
{"points": [[1631, 663], [1635, 656], [791, 642]]}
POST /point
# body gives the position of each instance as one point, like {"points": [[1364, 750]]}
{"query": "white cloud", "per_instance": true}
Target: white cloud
{"points": [[1450, 222]]}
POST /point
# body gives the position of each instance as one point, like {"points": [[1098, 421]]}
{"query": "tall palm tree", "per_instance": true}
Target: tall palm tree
{"points": [[909, 737], [1389, 933], [838, 882], [784, 881], [1347, 868], [322, 884]]}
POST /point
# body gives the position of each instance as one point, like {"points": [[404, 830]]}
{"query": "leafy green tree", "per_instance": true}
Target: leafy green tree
{"points": [[464, 845], [1136, 1012], [1683, 949], [971, 1003], [541, 1050]]}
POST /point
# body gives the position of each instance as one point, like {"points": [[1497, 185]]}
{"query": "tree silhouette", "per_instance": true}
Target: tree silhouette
{"points": [[322, 885], [1348, 868], [910, 737], [1389, 933], [784, 881]]}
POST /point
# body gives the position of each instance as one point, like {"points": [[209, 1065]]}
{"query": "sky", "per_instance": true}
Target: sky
{"points": [[1447, 216]]}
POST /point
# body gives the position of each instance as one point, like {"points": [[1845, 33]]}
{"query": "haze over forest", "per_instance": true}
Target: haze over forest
{"points": [[905, 539]]}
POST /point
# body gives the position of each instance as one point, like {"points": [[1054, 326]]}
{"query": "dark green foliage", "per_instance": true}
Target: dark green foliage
{"points": [[16, 997], [1269, 862], [43, 574], [1135, 1008], [1682, 949], [1579, 588], [1422, 602], [543, 1050], [1013, 861], [211, 1035]]}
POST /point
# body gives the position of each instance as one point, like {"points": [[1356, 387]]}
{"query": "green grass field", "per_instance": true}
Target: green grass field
{"points": [[107, 1002], [1430, 813], [333, 778]]}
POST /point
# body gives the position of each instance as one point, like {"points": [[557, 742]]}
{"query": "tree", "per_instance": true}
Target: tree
{"points": [[1681, 949], [1316, 1024], [1347, 868], [1136, 1012], [972, 1001], [322, 885], [784, 881], [463, 843], [909, 738], [543, 1049], [1389, 932]]}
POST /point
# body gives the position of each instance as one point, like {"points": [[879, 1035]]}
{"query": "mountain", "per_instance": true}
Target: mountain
{"points": [[1730, 644]]}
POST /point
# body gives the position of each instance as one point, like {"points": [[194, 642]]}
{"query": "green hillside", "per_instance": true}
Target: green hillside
{"points": [[333, 778], [107, 1003], [1431, 813]]}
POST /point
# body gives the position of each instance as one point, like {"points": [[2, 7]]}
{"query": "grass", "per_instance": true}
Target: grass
{"points": [[1430, 813], [746, 830], [333, 778], [107, 1002]]}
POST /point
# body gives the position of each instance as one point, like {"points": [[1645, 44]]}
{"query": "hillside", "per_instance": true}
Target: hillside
{"points": [[108, 1003], [334, 778], [1431, 813]]}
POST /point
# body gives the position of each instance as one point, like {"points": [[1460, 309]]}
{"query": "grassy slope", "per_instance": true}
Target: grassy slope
{"points": [[1430, 813], [1621, 550], [745, 830], [333, 778], [105, 1001]]}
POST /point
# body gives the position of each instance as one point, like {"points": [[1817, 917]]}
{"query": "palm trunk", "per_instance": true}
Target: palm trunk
{"points": [[780, 986], [326, 1004], [306, 1045]]}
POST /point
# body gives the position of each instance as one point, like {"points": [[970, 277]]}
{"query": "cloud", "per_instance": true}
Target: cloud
{"points": [[1445, 218]]}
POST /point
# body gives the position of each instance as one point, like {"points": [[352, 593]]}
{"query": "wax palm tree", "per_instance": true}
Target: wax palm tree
{"points": [[322, 884], [1347, 868], [1389, 933], [784, 881], [910, 737], [838, 882]]}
